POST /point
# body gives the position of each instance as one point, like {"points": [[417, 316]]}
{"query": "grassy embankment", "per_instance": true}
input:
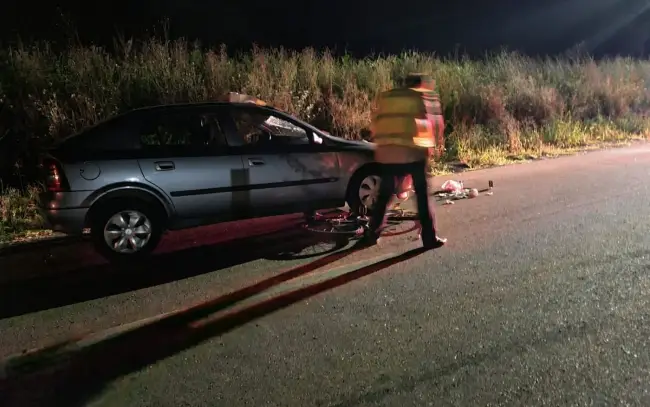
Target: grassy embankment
{"points": [[505, 108]]}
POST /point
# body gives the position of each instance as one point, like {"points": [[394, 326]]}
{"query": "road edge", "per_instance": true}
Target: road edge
{"points": [[54, 241], [35, 359]]}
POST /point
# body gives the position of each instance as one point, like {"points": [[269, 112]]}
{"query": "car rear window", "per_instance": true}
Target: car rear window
{"points": [[111, 135]]}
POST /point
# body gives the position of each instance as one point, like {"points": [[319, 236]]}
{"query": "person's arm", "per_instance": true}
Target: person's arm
{"points": [[438, 131], [437, 121]]}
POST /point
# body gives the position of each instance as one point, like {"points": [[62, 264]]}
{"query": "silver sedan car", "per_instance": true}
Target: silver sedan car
{"points": [[134, 176]]}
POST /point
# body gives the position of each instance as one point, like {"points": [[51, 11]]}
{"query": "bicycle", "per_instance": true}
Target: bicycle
{"points": [[349, 225]]}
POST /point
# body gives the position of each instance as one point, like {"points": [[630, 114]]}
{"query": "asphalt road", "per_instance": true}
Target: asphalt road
{"points": [[540, 298]]}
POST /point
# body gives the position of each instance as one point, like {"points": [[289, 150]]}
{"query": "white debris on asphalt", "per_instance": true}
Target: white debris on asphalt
{"points": [[454, 190]]}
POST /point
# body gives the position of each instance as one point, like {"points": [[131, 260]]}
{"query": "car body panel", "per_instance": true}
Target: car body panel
{"points": [[287, 169], [93, 175], [197, 186], [284, 182], [65, 200], [70, 221]]}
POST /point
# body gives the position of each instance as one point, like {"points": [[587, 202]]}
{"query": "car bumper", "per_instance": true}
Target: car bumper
{"points": [[62, 212], [70, 221]]}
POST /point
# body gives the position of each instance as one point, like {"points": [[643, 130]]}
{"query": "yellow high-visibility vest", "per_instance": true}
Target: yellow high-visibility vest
{"points": [[404, 117]]}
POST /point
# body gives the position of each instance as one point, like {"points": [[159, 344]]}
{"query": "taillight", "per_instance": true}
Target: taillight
{"points": [[54, 178]]}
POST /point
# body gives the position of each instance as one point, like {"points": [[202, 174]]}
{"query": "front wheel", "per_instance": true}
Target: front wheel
{"points": [[363, 191], [126, 231]]}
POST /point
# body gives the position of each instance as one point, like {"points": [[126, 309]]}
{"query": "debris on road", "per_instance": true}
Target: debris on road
{"points": [[452, 186], [490, 187], [454, 190]]}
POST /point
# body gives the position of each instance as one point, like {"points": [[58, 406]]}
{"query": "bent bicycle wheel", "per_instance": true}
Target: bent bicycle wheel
{"points": [[397, 228], [352, 227], [401, 215]]}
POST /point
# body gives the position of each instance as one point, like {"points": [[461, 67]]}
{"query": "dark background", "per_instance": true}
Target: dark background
{"points": [[605, 27], [361, 28]]}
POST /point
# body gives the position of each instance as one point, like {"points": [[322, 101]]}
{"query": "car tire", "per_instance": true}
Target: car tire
{"points": [[141, 223], [364, 182]]}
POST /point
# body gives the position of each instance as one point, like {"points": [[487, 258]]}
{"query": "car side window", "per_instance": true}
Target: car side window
{"points": [[260, 128], [217, 135], [180, 130]]}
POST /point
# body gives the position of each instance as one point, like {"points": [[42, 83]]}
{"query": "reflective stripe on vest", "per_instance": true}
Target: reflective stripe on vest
{"points": [[425, 131]]}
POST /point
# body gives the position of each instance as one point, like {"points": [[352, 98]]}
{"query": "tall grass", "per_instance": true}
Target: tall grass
{"points": [[503, 106], [18, 212], [507, 101]]}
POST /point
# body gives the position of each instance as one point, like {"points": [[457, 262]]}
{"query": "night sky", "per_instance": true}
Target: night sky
{"points": [[361, 27]]}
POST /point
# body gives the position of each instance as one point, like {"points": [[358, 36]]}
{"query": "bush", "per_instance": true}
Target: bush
{"points": [[48, 95], [18, 211], [495, 108]]}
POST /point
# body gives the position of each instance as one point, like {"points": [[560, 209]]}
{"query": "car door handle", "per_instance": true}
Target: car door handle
{"points": [[255, 162], [164, 165]]}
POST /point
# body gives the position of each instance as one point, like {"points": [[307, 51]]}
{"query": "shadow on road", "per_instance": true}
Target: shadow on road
{"points": [[76, 378], [92, 281], [77, 274]]}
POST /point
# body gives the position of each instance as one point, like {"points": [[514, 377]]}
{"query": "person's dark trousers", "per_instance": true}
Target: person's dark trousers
{"points": [[388, 173]]}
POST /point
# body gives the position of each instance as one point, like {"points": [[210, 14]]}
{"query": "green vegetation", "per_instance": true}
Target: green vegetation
{"points": [[18, 213], [500, 109]]}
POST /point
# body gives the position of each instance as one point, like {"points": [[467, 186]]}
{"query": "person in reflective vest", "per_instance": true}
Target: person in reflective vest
{"points": [[406, 128]]}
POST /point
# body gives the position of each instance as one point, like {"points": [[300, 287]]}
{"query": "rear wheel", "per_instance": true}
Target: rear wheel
{"points": [[126, 231]]}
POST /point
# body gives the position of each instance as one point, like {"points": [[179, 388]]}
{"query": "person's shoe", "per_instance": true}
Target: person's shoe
{"points": [[366, 241], [437, 243]]}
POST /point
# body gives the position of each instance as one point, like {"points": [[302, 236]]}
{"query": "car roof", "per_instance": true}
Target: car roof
{"points": [[183, 106], [195, 105], [162, 108]]}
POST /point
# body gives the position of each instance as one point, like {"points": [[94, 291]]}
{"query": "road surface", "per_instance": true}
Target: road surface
{"points": [[539, 299]]}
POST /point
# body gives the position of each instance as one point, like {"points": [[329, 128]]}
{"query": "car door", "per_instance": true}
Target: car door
{"points": [[185, 158], [288, 170]]}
